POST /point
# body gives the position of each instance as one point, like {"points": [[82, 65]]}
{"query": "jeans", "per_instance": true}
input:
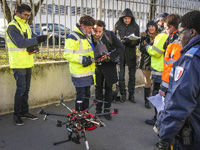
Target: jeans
{"points": [[23, 81], [131, 82], [82, 95]]}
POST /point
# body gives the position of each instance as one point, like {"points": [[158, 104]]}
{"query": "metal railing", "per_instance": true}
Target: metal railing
{"points": [[66, 13]]}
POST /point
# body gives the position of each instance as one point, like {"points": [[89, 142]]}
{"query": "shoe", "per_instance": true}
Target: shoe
{"points": [[157, 144], [147, 105], [132, 99], [18, 121], [29, 116], [107, 116], [151, 121], [123, 98]]}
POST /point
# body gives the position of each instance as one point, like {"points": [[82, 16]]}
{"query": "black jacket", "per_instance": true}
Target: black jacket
{"points": [[145, 62], [108, 69], [129, 55]]}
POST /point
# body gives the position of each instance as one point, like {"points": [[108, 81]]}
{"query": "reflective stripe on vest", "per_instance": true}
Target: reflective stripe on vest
{"points": [[78, 51], [16, 49], [171, 61], [156, 73], [82, 75], [79, 39], [157, 50]]}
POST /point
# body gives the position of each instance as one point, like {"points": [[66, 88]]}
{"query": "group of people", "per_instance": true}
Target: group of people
{"points": [[170, 56], [87, 68]]}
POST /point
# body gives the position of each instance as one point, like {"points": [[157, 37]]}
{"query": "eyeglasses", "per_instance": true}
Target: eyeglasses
{"points": [[181, 32], [26, 15]]}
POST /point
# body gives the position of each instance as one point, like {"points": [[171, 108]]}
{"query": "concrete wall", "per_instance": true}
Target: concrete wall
{"points": [[49, 81]]}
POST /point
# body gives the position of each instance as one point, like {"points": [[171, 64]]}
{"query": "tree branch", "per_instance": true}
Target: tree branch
{"points": [[7, 10]]}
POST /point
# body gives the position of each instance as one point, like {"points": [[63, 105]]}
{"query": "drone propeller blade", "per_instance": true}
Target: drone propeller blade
{"points": [[100, 101]]}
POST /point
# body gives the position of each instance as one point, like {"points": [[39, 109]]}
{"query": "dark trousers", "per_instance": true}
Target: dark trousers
{"points": [[100, 96], [131, 82], [156, 87], [23, 81], [193, 146], [82, 95]]}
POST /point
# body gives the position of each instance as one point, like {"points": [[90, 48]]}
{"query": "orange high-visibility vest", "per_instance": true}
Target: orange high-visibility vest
{"points": [[172, 54]]}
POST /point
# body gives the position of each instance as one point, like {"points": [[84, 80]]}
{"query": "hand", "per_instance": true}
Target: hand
{"points": [[144, 42], [106, 58], [41, 38], [87, 61], [162, 93], [126, 41]]}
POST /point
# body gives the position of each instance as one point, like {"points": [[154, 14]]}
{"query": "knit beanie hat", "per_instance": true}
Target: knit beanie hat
{"points": [[153, 23], [161, 16]]}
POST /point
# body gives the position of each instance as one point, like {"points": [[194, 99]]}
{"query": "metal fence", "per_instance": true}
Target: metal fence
{"points": [[63, 15]]}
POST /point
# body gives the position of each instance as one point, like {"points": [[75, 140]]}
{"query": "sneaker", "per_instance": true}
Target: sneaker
{"points": [[108, 115], [29, 116], [18, 121]]}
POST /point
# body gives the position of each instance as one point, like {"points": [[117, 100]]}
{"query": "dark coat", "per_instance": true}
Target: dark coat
{"points": [[129, 55], [108, 69]]}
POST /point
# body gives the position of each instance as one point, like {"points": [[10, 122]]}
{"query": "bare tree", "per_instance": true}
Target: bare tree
{"points": [[8, 13]]}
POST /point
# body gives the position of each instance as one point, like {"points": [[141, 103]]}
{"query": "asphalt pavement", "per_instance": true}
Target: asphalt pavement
{"points": [[126, 131]]}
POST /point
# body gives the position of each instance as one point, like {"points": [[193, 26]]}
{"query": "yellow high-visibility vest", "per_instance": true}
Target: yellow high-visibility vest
{"points": [[19, 57]]}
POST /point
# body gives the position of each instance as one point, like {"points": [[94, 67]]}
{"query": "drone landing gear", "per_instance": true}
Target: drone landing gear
{"points": [[76, 138]]}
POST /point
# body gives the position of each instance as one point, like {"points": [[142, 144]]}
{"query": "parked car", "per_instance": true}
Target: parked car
{"points": [[49, 27], [2, 32]]}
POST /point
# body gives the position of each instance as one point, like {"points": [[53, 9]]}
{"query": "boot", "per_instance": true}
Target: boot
{"points": [[146, 94], [123, 98], [132, 98], [85, 104]]}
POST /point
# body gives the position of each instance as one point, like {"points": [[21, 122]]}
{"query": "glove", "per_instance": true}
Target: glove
{"points": [[41, 38], [126, 41], [32, 49], [87, 61], [163, 145]]}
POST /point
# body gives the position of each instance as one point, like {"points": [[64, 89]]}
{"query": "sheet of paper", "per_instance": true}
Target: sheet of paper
{"points": [[157, 101], [132, 37]]}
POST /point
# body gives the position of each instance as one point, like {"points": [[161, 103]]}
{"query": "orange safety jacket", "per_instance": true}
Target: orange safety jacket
{"points": [[172, 54]]}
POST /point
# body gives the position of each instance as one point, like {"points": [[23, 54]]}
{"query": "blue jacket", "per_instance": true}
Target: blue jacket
{"points": [[183, 98]]}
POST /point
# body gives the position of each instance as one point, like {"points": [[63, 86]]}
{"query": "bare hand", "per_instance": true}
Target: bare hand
{"points": [[144, 42], [162, 93]]}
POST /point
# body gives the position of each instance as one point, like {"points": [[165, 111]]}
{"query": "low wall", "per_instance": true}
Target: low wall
{"points": [[49, 81]]}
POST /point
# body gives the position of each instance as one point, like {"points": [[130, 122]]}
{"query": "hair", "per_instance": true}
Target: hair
{"points": [[172, 19], [23, 7], [191, 20], [86, 20], [100, 23]]}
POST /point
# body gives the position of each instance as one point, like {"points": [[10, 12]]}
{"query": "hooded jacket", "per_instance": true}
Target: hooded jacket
{"points": [[121, 30]]}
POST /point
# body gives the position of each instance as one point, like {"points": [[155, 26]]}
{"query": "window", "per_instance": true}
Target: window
{"points": [[49, 9]]}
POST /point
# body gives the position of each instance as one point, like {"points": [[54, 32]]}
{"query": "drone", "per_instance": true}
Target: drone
{"points": [[78, 122]]}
